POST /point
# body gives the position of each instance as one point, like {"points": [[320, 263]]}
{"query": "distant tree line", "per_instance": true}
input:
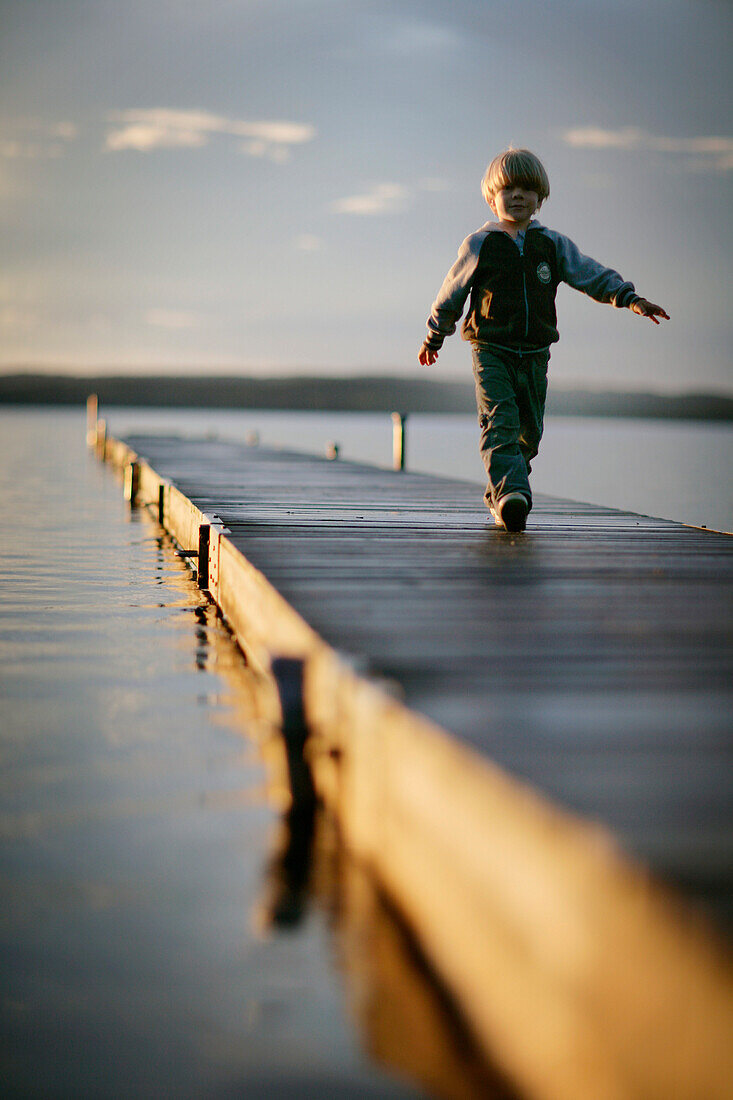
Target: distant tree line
{"points": [[364, 394]]}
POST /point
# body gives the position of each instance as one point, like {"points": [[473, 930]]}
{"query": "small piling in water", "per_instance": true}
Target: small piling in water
{"points": [[399, 440], [92, 417]]}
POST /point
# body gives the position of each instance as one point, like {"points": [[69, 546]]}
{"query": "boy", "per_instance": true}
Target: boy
{"points": [[512, 268]]}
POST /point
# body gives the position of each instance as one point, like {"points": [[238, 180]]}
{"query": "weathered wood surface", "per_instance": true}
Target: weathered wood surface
{"points": [[591, 656]]}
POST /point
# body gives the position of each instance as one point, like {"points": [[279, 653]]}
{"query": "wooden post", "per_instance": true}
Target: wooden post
{"points": [[398, 440], [100, 439], [132, 482], [92, 413]]}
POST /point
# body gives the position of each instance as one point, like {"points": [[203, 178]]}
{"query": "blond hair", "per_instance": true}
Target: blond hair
{"points": [[517, 166]]}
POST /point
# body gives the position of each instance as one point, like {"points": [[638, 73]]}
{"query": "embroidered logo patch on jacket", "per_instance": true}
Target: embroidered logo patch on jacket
{"points": [[544, 273]]}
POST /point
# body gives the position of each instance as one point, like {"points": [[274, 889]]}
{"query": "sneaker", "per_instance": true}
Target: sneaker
{"points": [[496, 516], [513, 509]]}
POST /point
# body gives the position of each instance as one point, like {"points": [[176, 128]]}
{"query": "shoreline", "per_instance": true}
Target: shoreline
{"points": [[357, 394]]}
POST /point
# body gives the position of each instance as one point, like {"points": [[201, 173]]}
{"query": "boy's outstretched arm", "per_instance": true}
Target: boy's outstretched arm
{"points": [[648, 309], [447, 308]]}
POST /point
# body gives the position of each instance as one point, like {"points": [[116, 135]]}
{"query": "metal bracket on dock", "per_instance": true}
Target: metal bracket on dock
{"points": [[161, 502], [208, 565], [204, 539]]}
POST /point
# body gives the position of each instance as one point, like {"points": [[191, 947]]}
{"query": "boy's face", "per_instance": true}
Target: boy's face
{"points": [[515, 204]]}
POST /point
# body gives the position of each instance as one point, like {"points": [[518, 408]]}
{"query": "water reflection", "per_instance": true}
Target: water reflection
{"points": [[287, 880], [134, 814], [406, 1020]]}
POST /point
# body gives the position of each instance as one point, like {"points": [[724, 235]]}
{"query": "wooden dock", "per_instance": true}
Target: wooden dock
{"points": [[527, 736]]}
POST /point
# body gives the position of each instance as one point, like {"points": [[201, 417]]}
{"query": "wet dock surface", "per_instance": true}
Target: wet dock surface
{"points": [[591, 656]]}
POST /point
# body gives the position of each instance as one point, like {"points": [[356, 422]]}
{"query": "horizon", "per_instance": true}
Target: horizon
{"points": [[419, 377], [280, 191]]}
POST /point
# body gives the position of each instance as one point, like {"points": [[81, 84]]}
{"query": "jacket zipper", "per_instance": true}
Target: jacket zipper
{"points": [[526, 303]]}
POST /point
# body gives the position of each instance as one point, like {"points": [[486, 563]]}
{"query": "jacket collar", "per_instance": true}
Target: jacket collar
{"points": [[496, 228]]}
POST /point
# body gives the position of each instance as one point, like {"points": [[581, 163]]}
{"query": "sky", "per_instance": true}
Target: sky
{"points": [[279, 186]]}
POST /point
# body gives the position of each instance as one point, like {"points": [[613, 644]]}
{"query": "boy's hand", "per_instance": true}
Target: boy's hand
{"points": [[427, 356], [648, 309]]}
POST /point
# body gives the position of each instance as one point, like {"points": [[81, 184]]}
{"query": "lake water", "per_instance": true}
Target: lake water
{"points": [[138, 842], [679, 470]]}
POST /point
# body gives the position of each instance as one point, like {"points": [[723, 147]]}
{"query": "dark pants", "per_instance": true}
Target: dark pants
{"points": [[510, 398]]}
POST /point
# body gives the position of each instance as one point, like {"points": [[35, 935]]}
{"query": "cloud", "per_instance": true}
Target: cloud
{"points": [[593, 137], [34, 140], [146, 136], [65, 130], [717, 150], [162, 128], [420, 38], [26, 150], [384, 198]]}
